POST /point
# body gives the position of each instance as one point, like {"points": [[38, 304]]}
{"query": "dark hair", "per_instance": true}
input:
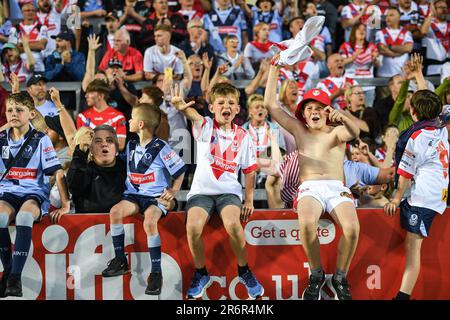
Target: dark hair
{"points": [[395, 8], [426, 104], [106, 127], [155, 78], [99, 86], [301, 17], [22, 98], [155, 93], [353, 34]]}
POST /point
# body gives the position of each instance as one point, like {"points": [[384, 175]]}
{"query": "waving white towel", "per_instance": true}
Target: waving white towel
{"points": [[297, 49]]}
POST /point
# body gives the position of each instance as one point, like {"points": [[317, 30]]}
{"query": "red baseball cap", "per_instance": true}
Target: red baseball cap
{"points": [[313, 94]]}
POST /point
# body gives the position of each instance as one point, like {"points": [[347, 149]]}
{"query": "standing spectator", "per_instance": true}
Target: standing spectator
{"points": [[409, 20], [226, 20], [265, 11], [13, 63], [259, 49], [65, 64], [174, 20], [161, 58], [336, 84], [37, 88], [360, 57], [112, 24], [384, 106], [197, 41], [188, 11], [131, 58], [49, 14], [351, 14], [133, 17], [436, 30], [36, 33], [239, 66], [100, 113], [394, 44]]}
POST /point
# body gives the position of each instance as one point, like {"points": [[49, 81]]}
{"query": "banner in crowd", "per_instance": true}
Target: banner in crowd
{"points": [[66, 260]]}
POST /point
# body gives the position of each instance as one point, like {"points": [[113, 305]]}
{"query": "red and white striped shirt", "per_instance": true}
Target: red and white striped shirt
{"points": [[110, 116]]}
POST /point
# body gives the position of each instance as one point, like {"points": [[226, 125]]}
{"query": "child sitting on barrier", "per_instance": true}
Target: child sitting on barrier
{"points": [[28, 158], [149, 161], [223, 149], [422, 162]]}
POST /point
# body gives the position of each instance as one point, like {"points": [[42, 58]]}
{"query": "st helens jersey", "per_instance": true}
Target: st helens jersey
{"points": [[425, 161], [110, 116], [150, 168], [29, 172], [220, 156]]}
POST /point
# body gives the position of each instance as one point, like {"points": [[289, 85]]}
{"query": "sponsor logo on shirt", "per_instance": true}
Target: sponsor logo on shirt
{"points": [[224, 165], [137, 178], [51, 158], [169, 156], [21, 173], [49, 149], [5, 152]]}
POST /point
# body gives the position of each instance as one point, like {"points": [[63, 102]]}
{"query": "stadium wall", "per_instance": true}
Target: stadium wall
{"points": [[66, 260]]}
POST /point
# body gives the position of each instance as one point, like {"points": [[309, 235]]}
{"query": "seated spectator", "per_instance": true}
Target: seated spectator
{"points": [[259, 49], [189, 11], [336, 83], [49, 14], [100, 112], [131, 59], [239, 67], [65, 64], [384, 106], [360, 57], [37, 36], [436, 31], [394, 44], [197, 65], [225, 20], [197, 42], [13, 63], [365, 118], [265, 11], [376, 196], [269, 143], [133, 17], [162, 15], [98, 184], [37, 88], [161, 57]]}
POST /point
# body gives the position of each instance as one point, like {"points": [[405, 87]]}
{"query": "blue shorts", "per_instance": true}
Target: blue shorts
{"points": [[16, 201], [416, 219], [144, 202]]}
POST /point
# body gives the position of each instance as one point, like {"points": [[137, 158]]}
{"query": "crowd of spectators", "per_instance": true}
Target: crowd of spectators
{"points": [[198, 43]]}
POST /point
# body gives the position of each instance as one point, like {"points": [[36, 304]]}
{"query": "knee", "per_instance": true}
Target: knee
{"points": [[351, 231], [150, 223], [115, 214], [4, 220], [307, 221], [24, 219], [194, 229], [233, 228]]}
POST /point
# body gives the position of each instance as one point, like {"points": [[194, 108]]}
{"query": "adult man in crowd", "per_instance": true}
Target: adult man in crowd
{"points": [[37, 88], [384, 106]]}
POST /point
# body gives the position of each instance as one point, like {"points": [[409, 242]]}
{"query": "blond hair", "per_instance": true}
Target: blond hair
{"points": [[257, 28], [149, 113], [283, 89], [349, 92], [253, 99]]}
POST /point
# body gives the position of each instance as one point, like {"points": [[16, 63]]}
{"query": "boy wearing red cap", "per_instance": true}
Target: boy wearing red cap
{"points": [[321, 150]]}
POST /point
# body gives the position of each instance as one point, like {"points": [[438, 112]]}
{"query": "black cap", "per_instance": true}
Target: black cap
{"points": [[111, 15], [114, 63], [64, 35], [55, 124], [35, 78]]}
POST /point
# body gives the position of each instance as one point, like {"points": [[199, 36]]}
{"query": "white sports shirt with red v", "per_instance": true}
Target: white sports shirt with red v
{"points": [[110, 116], [332, 84], [425, 160], [437, 41], [220, 155], [392, 66]]}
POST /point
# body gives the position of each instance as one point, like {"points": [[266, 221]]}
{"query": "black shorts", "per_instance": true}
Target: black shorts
{"points": [[16, 201], [144, 202], [213, 204], [416, 219]]}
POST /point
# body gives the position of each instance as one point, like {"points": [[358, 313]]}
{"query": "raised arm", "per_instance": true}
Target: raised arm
{"points": [[94, 44], [187, 74], [178, 102], [207, 63], [416, 70], [30, 61], [65, 119]]}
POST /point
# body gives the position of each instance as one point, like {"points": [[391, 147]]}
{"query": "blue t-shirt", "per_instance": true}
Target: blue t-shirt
{"points": [[358, 171], [149, 168]]}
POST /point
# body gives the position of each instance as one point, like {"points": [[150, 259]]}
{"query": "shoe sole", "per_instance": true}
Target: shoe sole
{"points": [[320, 295], [202, 292], [116, 275], [258, 296]]}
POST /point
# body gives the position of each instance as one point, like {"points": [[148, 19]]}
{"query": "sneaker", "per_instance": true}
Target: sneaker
{"points": [[154, 284], [199, 285], [13, 286], [341, 289], [116, 267], [254, 288], [315, 284], [3, 282]]}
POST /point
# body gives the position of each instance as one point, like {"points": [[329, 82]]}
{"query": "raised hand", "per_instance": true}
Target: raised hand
{"points": [[14, 82], [207, 63], [336, 116], [181, 55], [177, 98], [223, 68], [93, 41], [416, 63], [54, 95]]}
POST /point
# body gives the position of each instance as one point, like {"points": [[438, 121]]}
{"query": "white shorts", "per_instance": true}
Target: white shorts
{"points": [[329, 193]]}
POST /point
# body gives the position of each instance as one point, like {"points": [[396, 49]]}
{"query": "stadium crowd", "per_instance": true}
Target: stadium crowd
{"points": [[195, 45]]}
